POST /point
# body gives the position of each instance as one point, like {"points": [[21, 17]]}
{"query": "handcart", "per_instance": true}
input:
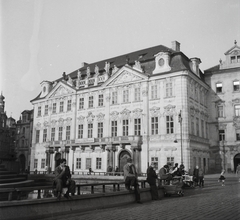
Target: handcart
{"points": [[175, 189], [188, 180]]}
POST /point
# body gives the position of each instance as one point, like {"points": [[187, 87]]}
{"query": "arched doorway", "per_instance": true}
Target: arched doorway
{"points": [[236, 161], [22, 160], [123, 159], [57, 159]]}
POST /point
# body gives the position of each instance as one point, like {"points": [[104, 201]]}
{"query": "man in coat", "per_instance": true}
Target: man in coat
{"points": [[151, 179], [130, 178], [165, 175], [63, 179]]}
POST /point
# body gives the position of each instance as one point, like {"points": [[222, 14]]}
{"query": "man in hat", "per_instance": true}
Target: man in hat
{"points": [[130, 178]]}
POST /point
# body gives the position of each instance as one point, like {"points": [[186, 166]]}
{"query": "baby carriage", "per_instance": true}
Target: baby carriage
{"points": [[188, 180], [175, 189]]}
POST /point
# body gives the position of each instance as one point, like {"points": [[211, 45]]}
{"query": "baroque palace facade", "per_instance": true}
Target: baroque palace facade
{"points": [[136, 105], [224, 111]]}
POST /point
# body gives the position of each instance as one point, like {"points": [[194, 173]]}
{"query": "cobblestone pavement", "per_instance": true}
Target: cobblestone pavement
{"points": [[211, 202]]}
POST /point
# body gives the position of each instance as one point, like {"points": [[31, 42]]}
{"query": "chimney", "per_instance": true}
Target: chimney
{"points": [[176, 46], [195, 65]]}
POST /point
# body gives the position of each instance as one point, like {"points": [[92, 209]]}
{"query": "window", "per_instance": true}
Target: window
{"points": [[44, 135], [137, 126], [197, 126], [114, 128], [69, 105], [81, 103], [68, 132], [90, 102], [169, 124], [125, 95], [114, 97], [221, 135], [23, 143], [35, 163], [98, 163], [100, 100], [202, 128], [219, 87], [60, 130], [192, 125], [125, 127], [80, 131], [61, 107], [24, 118], [46, 110], [23, 130], [78, 163], [206, 129], [154, 160], [154, 92], [90, 130], [39, 111], [170, 161], [154, 125], [88, 163], [238, 134], [53, 134], [238, 59], [236, 86], [137, 94], [237, 110], [37, 136], [233, 59], [169, 89], [220, 111], [54, 110], [43, 162], [100, 129]]}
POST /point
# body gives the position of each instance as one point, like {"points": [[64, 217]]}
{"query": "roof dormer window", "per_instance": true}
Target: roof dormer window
{"points": [[219, 87]]}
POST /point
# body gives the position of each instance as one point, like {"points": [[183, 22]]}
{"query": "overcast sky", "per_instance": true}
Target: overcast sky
{"points": [[41, 39]]}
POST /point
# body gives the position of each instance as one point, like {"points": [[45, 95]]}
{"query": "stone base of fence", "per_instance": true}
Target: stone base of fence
{"points": [[47, 207]]}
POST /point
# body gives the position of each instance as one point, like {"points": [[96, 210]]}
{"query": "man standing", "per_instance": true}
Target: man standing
{"points": [[130, 178], [63, 179], [196, 176], [151, 179]]}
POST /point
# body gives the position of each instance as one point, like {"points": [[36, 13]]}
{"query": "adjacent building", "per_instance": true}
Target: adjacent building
{"points": [[24, 139], [150, 105], [224, 111], [7, 138]]}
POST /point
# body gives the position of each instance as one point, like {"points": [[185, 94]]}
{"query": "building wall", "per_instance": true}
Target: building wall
{"points": [[224, 152], [189, 94]]}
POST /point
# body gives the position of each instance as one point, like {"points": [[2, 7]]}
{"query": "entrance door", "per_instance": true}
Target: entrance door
{"points": [[57, 159], [236, 161], [123, 159]]}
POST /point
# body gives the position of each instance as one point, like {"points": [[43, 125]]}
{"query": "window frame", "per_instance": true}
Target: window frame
{"points": [[137, 126], [169, 124], [125, 127], [80, 131], [90, 102], [114, 125], [154, 125]]}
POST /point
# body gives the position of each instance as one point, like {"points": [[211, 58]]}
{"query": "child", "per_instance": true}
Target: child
{"points": [[222, 178]]}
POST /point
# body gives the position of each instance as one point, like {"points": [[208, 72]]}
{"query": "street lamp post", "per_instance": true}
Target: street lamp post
{"points": [[180, 121]]}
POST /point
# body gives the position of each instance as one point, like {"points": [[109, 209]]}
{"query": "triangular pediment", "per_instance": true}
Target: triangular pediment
{"points": [[235, 50], [59, 90], [125, 75]]}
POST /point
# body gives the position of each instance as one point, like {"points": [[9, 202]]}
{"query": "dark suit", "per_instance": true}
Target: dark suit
{"points": [[63, 179], [151, 179]]}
